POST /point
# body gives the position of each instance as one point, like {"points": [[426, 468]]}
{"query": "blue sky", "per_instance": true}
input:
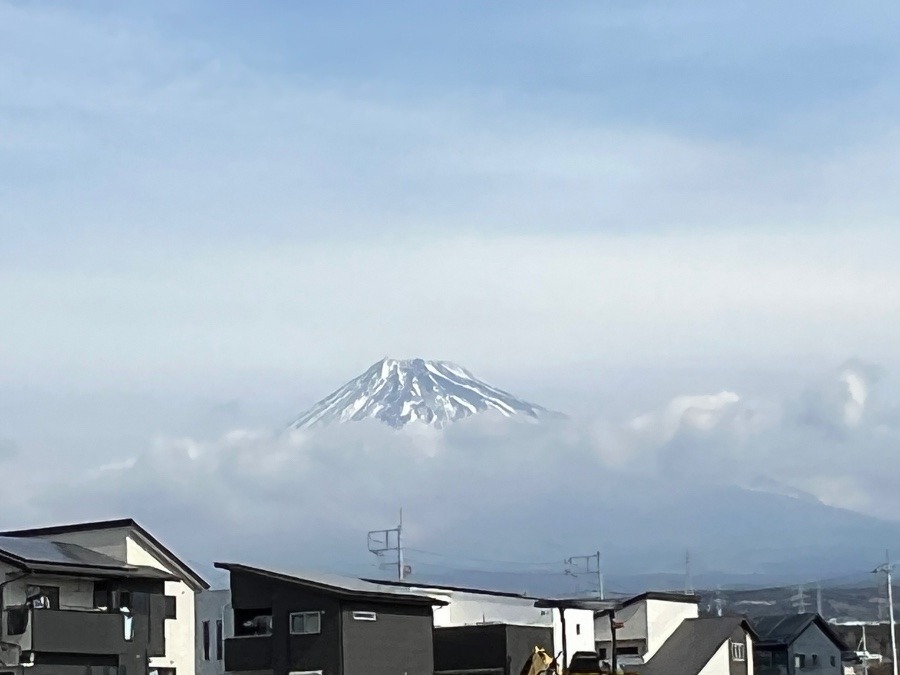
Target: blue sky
{"points": [[214, 213], [203, 191]]}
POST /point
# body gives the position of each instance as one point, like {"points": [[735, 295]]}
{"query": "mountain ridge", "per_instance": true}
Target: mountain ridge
{"points": [[399, 392]]}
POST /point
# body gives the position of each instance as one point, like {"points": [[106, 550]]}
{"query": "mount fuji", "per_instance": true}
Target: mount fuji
{"points": [[400, 392]]}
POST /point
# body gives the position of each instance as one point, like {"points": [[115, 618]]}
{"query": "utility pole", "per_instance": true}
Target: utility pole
{"points": [[688, 581], [387, 541], [888, 569], [581, 565], [819, 598], [719, 601]]}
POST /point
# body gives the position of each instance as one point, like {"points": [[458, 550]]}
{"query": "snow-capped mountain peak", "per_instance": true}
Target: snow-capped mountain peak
{"points": [[398, 392]]}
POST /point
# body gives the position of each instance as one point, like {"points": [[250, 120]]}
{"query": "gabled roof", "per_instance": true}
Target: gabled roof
{"points": [[781, 630], [344, 587], [692, 645], [183, 568], [52, 557]]}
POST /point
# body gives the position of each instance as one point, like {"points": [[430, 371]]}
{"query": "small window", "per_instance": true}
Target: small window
{"points": [[171, 609], [799, 660], [577, 629], [365, 616], [220, 640], [628, 651], [206, 640], [601, 652], [833, 661], [815, 660], [738, 651], [306, 623]]}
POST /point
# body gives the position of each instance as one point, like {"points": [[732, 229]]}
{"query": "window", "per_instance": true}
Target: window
{"points": [[220, 640], [799, 660], [833, 661], [206, 640], [252, 622], [815, 660], [577, 629], [628, 651], [42, 597], [171, 612], [738, 651], [601, 652], [16, 620], [365, 616], [306, 623]]}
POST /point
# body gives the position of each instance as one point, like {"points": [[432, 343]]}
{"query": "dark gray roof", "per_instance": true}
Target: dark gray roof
{"points": [[692, 645], [445, 587], [338, 585], [780, 630], [43, 555], [126, 523]]}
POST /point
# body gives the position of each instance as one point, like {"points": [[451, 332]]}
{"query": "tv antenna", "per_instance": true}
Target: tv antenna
{"points": [[381, 542]]}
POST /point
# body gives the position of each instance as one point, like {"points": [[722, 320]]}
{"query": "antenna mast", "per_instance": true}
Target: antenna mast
{"points": [[582, 565]]}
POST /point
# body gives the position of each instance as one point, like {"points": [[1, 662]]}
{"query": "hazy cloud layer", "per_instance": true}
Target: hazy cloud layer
{"points": [[490, 489]]}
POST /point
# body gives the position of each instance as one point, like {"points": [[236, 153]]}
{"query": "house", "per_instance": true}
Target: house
{"points": [[793, 643], [488, 649], [129, 544], [644, 622], [213, 625], [714, 645], [465, 606], [319, 624], [71, 610]]}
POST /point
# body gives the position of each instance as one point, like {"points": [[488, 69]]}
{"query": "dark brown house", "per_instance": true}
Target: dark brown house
{"points": [[326, 625]]}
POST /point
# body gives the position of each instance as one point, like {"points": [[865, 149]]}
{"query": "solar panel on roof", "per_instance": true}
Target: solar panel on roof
{"points": [[57, 553]]}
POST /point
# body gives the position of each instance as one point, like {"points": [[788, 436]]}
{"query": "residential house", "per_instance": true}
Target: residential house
{"points": [[465, 606], [128, 543], [706, 646], [70, 610], [318, 624], [790, 644], [645, 621], [213, 625], [488, 649]]}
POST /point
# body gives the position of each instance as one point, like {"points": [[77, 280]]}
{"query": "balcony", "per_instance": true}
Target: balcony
{"points": [[251, 652], [76, 632]]}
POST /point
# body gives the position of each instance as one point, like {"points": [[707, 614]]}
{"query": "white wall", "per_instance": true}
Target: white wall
{"points": [[720, 664], [180, 635], [663, 619], [212, 606], [579, 631]]}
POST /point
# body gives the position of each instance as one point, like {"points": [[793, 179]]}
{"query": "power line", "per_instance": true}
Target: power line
{"points": [[557, 563]]}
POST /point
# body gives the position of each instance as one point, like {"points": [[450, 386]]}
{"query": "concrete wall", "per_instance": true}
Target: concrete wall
{"points": [[211, 606], [663, 619], [180, 636], [720, 663]]}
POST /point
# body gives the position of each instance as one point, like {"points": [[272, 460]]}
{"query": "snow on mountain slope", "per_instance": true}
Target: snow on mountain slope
{"points": [[399, 392]]}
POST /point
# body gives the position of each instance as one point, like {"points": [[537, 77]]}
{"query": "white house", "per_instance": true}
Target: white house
{"points": [[126, 541], [647, 621]]}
